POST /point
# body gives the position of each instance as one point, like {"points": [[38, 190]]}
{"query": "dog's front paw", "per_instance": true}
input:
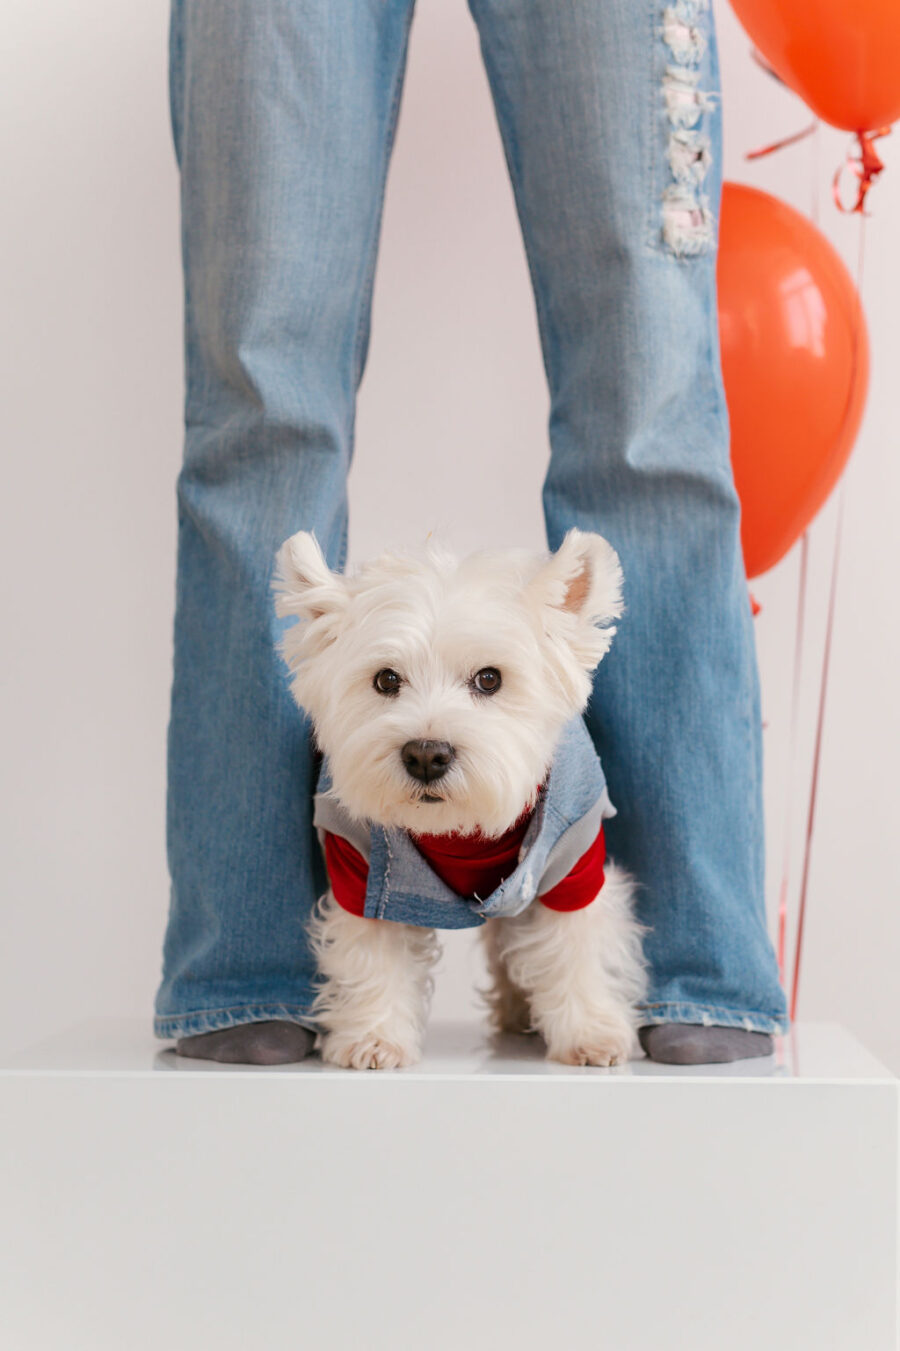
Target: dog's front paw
{"points": [[367, 1053], [599, 1046]]}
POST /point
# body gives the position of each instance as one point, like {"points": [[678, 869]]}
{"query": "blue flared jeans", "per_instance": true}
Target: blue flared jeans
{"points": [[283, 115]]}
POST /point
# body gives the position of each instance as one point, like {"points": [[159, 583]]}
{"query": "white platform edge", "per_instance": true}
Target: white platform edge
{"points": [[810, 1053]]}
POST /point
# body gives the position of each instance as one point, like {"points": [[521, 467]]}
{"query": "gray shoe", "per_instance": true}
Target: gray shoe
{"points": [[271, 1043], [694, 1044]]}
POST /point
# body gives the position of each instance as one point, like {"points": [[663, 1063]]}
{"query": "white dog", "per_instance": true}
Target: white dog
{"points": [[446, 699]]}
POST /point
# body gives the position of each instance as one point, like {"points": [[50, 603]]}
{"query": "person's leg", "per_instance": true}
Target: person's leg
{"points": [[609, 116], [283, 116]]}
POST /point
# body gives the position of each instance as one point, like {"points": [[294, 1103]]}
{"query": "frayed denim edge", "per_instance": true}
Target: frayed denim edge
{"points": [[214, 1020], [707, 1016]]}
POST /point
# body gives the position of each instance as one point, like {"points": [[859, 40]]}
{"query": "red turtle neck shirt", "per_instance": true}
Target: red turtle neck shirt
{"points": [[473, 866]]}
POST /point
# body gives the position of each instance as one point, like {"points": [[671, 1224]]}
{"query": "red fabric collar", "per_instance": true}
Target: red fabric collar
{"points": [[470, 865], [474, 865]]}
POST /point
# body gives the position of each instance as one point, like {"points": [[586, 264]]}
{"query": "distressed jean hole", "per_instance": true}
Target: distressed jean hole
{"points": [[685, 101], [686, 41], [688, 226], [689, 156]]}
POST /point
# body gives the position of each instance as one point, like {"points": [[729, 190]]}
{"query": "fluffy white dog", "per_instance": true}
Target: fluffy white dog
{"points": [[440, 693]]}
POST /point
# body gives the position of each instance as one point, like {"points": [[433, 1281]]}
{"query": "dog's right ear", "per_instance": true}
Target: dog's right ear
{"points": [[304, 585]]}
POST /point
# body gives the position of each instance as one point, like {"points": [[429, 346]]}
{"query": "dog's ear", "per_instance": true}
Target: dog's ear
{"points": [[580, 587], [304, 584]]}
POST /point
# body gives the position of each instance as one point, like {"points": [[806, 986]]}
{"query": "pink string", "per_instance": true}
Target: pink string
{"points": [[829, 633], [817, 754]]}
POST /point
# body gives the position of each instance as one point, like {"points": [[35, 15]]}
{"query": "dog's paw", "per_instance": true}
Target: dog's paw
{"points": [[369, 1053], [589, 1055], [607, 1047]]}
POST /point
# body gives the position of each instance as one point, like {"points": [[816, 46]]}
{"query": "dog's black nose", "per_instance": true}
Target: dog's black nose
{"points": [[427, 760]]}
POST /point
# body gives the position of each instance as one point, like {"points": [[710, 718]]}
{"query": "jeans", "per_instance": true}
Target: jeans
{"points": [[283, 115]]}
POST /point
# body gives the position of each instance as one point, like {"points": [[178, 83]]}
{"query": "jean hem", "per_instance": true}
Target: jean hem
{"points": [[170, 1026], [750, 1020]]}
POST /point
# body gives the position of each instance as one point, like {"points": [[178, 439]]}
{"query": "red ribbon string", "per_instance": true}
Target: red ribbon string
{"points": [[780, 145], [865, 167]]}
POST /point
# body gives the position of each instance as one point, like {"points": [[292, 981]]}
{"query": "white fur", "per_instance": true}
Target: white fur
{"points": [[377, 986], [544, 623], [575, 978]]}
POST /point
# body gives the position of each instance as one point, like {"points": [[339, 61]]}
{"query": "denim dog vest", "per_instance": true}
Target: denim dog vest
{"points": [[402, 885]]}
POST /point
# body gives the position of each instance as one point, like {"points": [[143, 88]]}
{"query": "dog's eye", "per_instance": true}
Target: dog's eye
{"points": [[387, 681], [487, 680]]}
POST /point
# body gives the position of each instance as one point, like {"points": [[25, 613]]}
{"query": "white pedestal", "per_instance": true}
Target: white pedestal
{"points": [[484, 1199]]}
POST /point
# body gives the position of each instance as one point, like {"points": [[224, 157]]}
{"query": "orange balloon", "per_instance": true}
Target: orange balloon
{"points": [[841, 56], [795, 359]]}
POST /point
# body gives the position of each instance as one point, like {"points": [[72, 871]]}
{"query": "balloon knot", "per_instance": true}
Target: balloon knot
{"points": [[866, 166]]}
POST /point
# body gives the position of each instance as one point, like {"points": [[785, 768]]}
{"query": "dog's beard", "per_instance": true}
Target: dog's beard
{"points": [[482, 791]]}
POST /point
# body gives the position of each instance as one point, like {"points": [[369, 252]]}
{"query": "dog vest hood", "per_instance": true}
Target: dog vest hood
{"points": [[402, 885]]}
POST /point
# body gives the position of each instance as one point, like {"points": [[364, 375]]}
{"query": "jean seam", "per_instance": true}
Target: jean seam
{"points": [[176, 69], [503, 111], [390, 133]]}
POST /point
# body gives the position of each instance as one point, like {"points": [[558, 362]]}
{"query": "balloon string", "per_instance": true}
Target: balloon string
{"points": [[766, 66], [785, 141], [865, 167], [817, 756], [792, 756], [829, 633]]}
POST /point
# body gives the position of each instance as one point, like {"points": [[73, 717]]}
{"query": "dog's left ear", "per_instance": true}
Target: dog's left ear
{"points": [[580, 587]]}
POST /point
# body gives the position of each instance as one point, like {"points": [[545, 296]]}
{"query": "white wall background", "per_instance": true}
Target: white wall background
{"points": [[92, 441]]}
